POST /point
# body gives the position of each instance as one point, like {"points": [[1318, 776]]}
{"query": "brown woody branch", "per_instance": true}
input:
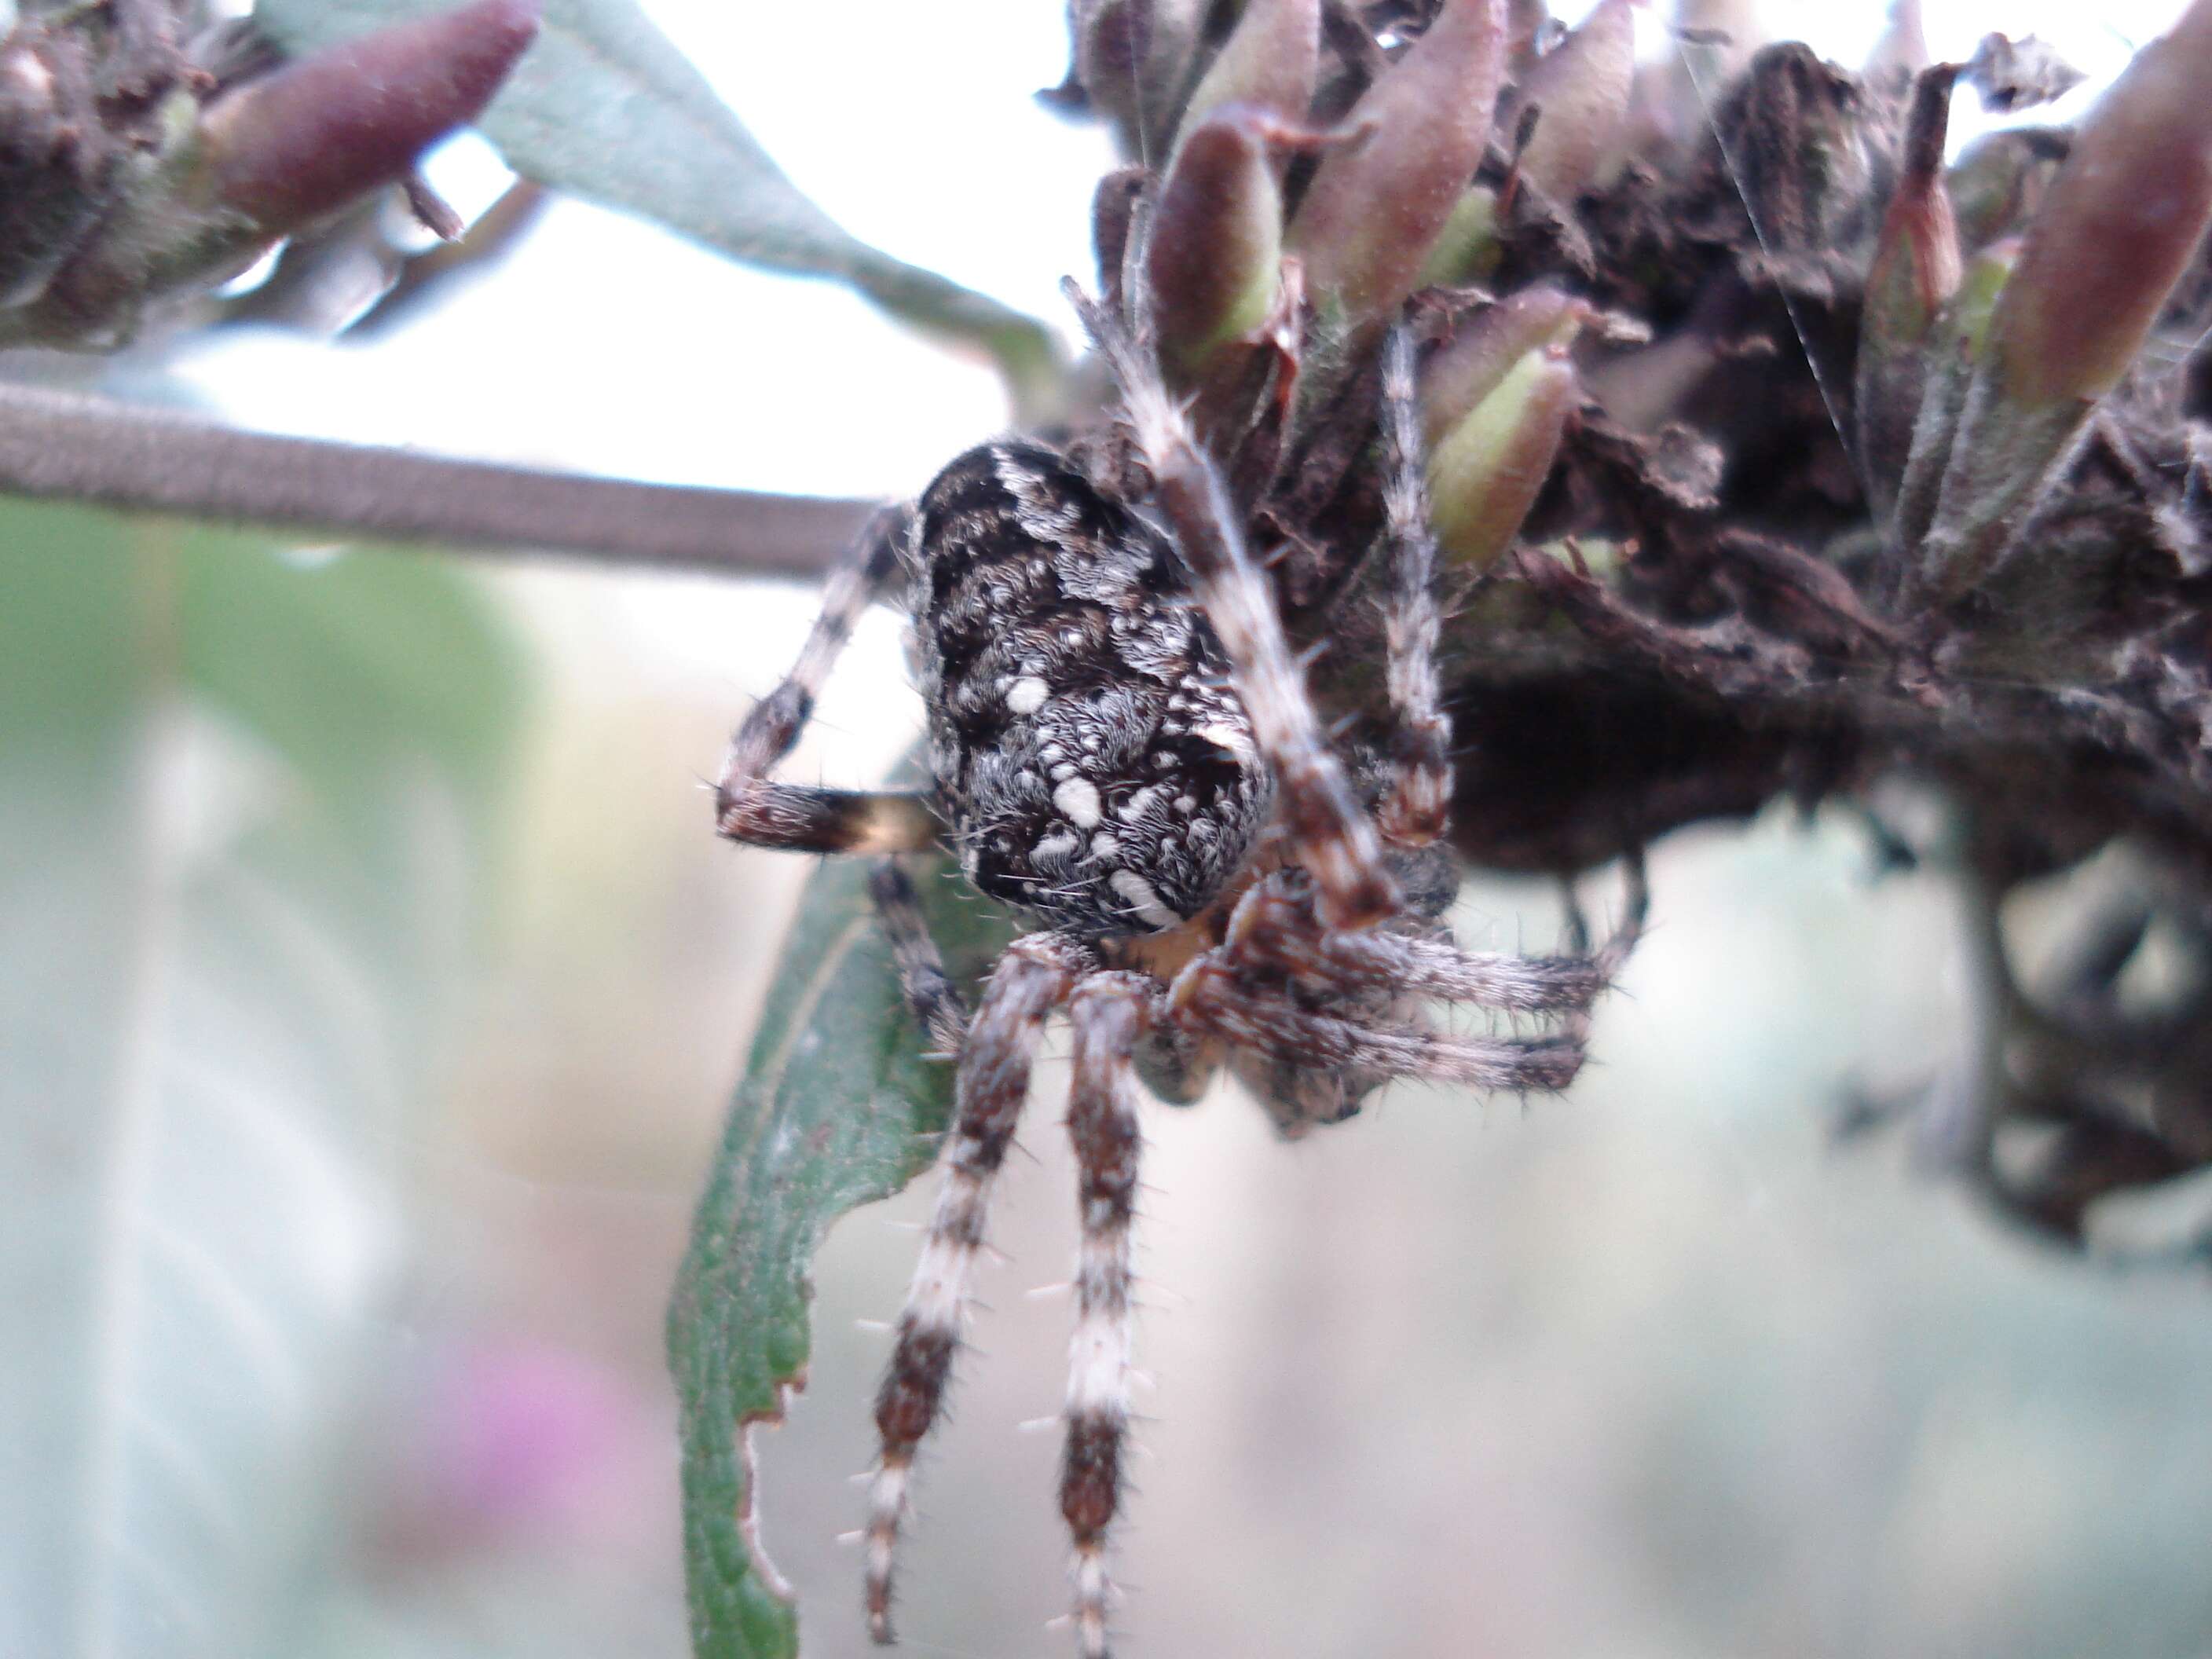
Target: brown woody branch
{"points": [[64, 446]]}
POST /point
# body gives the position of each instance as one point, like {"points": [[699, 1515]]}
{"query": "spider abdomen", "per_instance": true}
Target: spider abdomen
{"points": [[1093, 762]]}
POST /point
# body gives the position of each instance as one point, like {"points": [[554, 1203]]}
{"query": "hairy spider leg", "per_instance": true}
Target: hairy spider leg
{"points": [[749, 807], [929, 989], [1273, 925], [1216, 992], [1108, 1012], [1330, 833], [1275, 929], [1033, 977], [1416, 807]]}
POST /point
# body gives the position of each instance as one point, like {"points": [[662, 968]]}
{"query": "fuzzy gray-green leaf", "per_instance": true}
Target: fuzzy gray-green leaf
{"points": [[605, 106], [836, 1109]]}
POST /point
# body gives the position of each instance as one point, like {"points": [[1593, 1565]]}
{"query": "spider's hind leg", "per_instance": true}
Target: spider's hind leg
{"points": [[750, 808], [1033, 978]]}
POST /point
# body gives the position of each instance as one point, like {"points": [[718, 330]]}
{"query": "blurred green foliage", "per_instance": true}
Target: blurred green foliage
{"points": [[248, 803]]}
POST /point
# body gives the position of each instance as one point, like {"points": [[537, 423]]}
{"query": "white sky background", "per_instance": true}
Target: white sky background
{"points": [[609, 346]]}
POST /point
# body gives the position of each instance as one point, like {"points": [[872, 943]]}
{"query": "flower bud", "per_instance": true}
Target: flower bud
{"points": [[1581, 89], [208, 189], [1488, 346], [1270, 61], [1132, 59], [306, 139], [1916, 270], [1484, 476], [1215, 258], [1999, 183], [54, 166], [1954, 348], [2118, 228], [1467, 247], [1376, 207]]}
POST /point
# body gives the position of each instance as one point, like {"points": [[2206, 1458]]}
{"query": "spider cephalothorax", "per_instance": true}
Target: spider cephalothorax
{"points": [[1122, 747]]}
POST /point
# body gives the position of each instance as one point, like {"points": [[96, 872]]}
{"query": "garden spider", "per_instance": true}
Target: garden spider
{"points": [[1122, 744]]}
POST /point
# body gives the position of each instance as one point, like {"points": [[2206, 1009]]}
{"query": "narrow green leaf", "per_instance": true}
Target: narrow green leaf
{"points": [[605, 108], [837, 1110]]}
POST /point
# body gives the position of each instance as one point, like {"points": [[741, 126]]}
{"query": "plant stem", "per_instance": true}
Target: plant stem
{"points": [[96, 449]]}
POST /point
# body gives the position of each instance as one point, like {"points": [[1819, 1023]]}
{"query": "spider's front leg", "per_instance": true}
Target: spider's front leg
{"points": [[1330, 833], [1416, 804], [1332, 1015], [1033, 978], [750, 808]]}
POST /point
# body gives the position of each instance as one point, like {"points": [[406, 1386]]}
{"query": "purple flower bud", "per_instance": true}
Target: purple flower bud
{"points": [[1269, 61], [1916, 270], [1215, 258], [2118, 228], [1376, 207], [1581, 87], [1132, 59], [289, 146]]}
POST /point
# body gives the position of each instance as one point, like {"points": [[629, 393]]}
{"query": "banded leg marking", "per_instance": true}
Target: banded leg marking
{"points": [[1032, 979], [1333, 839], [750, 808], [929, 989], [1416, 809], [1109, 1013]]}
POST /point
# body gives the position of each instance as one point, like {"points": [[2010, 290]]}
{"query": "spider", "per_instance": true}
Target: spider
{"points": [[1120, 745]]}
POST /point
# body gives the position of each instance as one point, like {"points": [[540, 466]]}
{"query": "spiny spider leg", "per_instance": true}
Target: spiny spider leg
{"points": [[1211, 993], [1274, 924], [1108, 1012], [750, 808], [1332, 836], [1415, 808], [1032, 979], [929, 989]]}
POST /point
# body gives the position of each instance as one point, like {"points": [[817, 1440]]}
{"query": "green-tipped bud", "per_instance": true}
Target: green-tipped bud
{"points": [[305, 140], [2000, 181], [1917, 269], [1269, 62], [1467, 247], [2119, 226], [1376, 207], [1954, 349], [1581, 89], [1214, 262], [1489, 346], [1485, 475], [1983, 278]]}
